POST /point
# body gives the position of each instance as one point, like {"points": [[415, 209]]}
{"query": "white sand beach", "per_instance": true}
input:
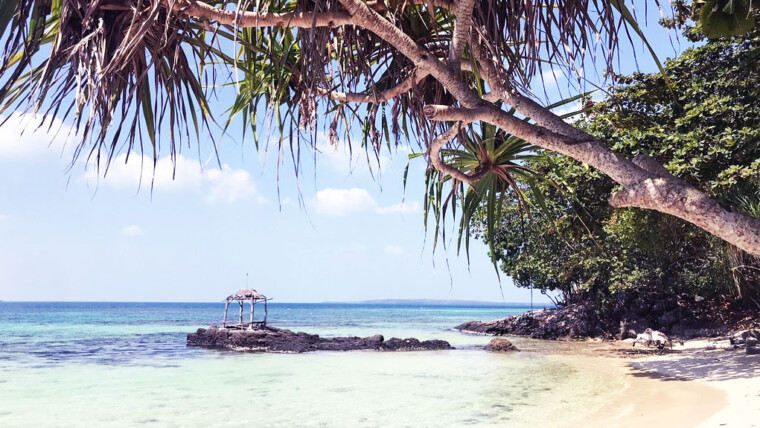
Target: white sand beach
{"points": [[701, 383], [708, 362]]}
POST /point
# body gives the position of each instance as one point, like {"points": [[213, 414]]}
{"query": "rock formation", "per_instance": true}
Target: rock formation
{"points": [[501, 345], [270, 339]]}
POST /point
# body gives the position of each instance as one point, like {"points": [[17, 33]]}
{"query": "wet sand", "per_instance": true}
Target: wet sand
{"points": [[700, 383]]}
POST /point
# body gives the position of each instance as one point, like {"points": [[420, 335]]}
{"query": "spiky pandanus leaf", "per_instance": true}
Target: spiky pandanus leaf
{"points": [[115, 68], [509, 184]]}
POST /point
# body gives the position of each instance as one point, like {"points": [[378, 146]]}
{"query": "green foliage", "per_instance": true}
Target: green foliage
{"points": [[508, 177], [725, 18], [706, 132], [509, 181]]}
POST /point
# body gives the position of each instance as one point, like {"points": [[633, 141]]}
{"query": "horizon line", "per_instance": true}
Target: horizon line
{"points": [[357, 302]]}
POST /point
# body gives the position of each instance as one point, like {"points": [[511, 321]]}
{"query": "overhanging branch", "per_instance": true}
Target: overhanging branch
{"points": [[245, 19], [353, 97]]}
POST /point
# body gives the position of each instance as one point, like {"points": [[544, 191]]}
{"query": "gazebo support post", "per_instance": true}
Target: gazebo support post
{"points": [[252, 297], [226, 306]]}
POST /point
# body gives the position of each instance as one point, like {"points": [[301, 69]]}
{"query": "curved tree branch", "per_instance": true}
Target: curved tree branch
{"points": [[353, 97], [434, 155]]}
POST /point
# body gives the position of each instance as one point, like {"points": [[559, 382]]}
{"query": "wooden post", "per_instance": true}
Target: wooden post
{"points": [[251, 312], [265, 311], [226, 306], [241, 311]]}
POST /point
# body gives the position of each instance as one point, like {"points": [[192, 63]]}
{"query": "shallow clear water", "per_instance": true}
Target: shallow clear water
{"points": [[117, 364]]}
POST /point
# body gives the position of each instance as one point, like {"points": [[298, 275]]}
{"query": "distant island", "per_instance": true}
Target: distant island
{"points": [[442, 302]]}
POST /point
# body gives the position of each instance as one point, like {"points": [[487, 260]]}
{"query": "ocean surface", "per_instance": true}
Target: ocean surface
{"points": [[126, 364]]}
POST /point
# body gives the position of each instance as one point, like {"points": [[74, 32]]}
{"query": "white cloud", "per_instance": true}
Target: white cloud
{"points": [[229, 185], [137, 171], [341, 202], [184, 174], [393, 250], [133, 231], [401, 208], [3, 217], [25, 136], [551, 77]]}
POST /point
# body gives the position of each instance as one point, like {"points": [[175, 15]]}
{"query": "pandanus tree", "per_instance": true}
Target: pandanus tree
{"points": [[124, 69]]}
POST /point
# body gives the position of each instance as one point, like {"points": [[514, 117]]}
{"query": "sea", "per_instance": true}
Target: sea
{"points": [[65, 364]]}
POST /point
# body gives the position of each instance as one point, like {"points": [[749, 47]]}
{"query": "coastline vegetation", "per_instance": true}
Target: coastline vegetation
{"points": [[706, 133]]}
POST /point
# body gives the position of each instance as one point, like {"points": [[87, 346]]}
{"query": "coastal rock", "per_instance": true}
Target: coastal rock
{"points": [[501, 345], [749, 339], [571, 322], [622, 315], [271, 339], [752, 347]]}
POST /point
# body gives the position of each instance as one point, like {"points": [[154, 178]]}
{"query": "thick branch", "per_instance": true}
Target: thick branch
{"points": [[247, 19], [404, 86], [593, 152], [649, 164], [244, 19], [352, 97], [647, 184], [365, 17], [676, 197], [522, 104], [379, 6], [461, 34]]}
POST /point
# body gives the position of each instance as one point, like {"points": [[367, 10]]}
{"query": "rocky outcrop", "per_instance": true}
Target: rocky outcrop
{"points": [[569, 322], [625, 314], [501, 345], [748, 339], [270, 339]]}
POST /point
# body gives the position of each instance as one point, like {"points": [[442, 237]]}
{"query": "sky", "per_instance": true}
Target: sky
{"points": [[69, 234]]}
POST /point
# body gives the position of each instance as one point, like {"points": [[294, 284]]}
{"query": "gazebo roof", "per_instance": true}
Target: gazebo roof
{"points": [[246, 294]]}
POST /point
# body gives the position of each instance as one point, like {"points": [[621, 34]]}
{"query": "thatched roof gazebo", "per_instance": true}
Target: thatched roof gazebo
{"points": [[245, 295]]}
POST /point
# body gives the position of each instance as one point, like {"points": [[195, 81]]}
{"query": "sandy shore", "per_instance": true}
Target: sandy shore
{"points": [[699, 383], [707, 362]]}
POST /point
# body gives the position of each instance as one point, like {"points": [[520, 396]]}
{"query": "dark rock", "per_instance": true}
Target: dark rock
{"points": [[623, 314], [752, 347], [570, 322], [271, 339], [501, 345]]}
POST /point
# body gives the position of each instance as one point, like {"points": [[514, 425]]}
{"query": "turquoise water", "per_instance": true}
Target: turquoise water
{"points": [[126, 364]]}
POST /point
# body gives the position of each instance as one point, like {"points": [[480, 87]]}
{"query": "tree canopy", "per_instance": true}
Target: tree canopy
{"points": [[707, 133], [122, 70]]}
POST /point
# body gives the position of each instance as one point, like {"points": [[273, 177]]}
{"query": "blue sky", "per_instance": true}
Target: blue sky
{"points": [[70, 234]]}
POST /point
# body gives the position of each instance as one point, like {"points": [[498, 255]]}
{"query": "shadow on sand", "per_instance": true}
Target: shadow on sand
{"points": [[690, 365]]}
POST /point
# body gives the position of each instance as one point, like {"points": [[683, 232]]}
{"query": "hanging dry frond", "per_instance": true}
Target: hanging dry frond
{"points": [[129, 63]]}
